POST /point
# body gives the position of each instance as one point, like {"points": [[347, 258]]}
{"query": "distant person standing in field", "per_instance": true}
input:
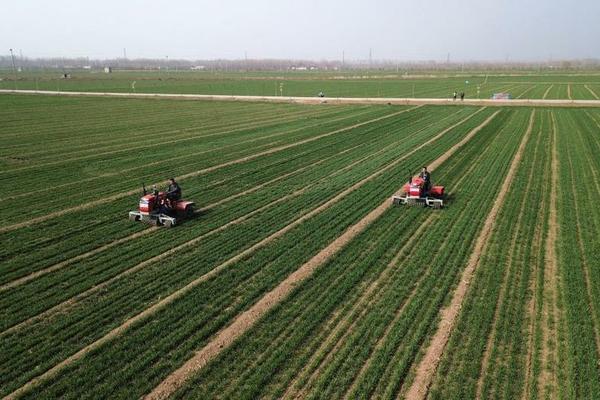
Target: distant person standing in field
{"points": [[462, 96], [454, 96]]}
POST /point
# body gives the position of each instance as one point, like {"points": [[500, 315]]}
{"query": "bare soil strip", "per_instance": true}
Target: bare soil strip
{"points": [[534, 284], [248, 318], [332, 100], [118, 196], [509, 267], [548, 379], [354, 315], [547, 91], [428, 365], [592, 92]]}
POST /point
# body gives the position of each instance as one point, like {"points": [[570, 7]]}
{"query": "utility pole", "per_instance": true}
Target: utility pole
{"points": [[370, 57], [124, 53], [12, 56], [343, 58]]}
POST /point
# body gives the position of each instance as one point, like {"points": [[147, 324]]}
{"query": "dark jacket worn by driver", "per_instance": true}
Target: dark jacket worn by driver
{"points": [[426, 176], [174, 191]]}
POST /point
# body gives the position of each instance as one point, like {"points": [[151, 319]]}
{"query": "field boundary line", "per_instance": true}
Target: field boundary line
{"points": [[547, 91], [592, 92], [407, 101], [244, 321], [120, 195], [428, 365], [569, 92], [548, 379]]}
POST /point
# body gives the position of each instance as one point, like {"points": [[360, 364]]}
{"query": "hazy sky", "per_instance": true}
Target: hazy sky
{"points": [[307, 29]]}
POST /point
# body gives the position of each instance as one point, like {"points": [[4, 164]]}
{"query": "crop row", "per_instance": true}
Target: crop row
{"points": [[243, 282], [579, 266], [319, 345], [487, 353]]}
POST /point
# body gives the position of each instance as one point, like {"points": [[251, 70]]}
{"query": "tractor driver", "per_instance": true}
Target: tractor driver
{"points": [[426, 176], [173, 193]]}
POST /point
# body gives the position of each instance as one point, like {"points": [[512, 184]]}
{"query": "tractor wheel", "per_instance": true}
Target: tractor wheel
{"points": [[168, 224], [133, 217], [189, 212], [154, 221]]}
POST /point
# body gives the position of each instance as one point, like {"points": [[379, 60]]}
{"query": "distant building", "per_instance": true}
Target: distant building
{"points": [[198, 68], [87, 67], [107, 70]]}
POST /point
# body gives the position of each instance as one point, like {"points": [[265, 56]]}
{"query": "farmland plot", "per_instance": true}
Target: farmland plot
{"points": [[296, 278]]}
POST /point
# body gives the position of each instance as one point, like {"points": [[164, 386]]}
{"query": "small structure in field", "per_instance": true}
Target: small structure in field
{"points": [[501, 96], [108, 70]]}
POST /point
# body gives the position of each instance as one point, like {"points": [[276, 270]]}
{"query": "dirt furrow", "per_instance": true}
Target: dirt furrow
{"points": [[509, 267], [548, 379], [547, 91], [248, 318], [592, 92], [118, 196], [428, 365], [346, 326]]}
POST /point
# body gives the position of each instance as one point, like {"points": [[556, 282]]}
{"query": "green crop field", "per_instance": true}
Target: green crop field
{"points": [[297, 277], [476, 84]]}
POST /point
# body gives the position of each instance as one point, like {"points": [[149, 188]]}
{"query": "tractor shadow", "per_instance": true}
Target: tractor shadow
{"points": [[449, 198]]}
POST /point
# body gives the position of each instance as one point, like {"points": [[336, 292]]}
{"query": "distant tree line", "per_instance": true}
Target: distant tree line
{"points": [[241, 65]]}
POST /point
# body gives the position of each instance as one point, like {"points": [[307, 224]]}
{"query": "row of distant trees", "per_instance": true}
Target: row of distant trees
{"points": [[27, 63]]}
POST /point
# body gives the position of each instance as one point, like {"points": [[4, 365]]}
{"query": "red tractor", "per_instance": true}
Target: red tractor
{"points": [[155, 209], [415, 194]]}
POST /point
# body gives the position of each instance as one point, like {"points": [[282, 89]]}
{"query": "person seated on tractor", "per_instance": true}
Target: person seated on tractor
{"points": [[426, 176], [173, 193]]}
